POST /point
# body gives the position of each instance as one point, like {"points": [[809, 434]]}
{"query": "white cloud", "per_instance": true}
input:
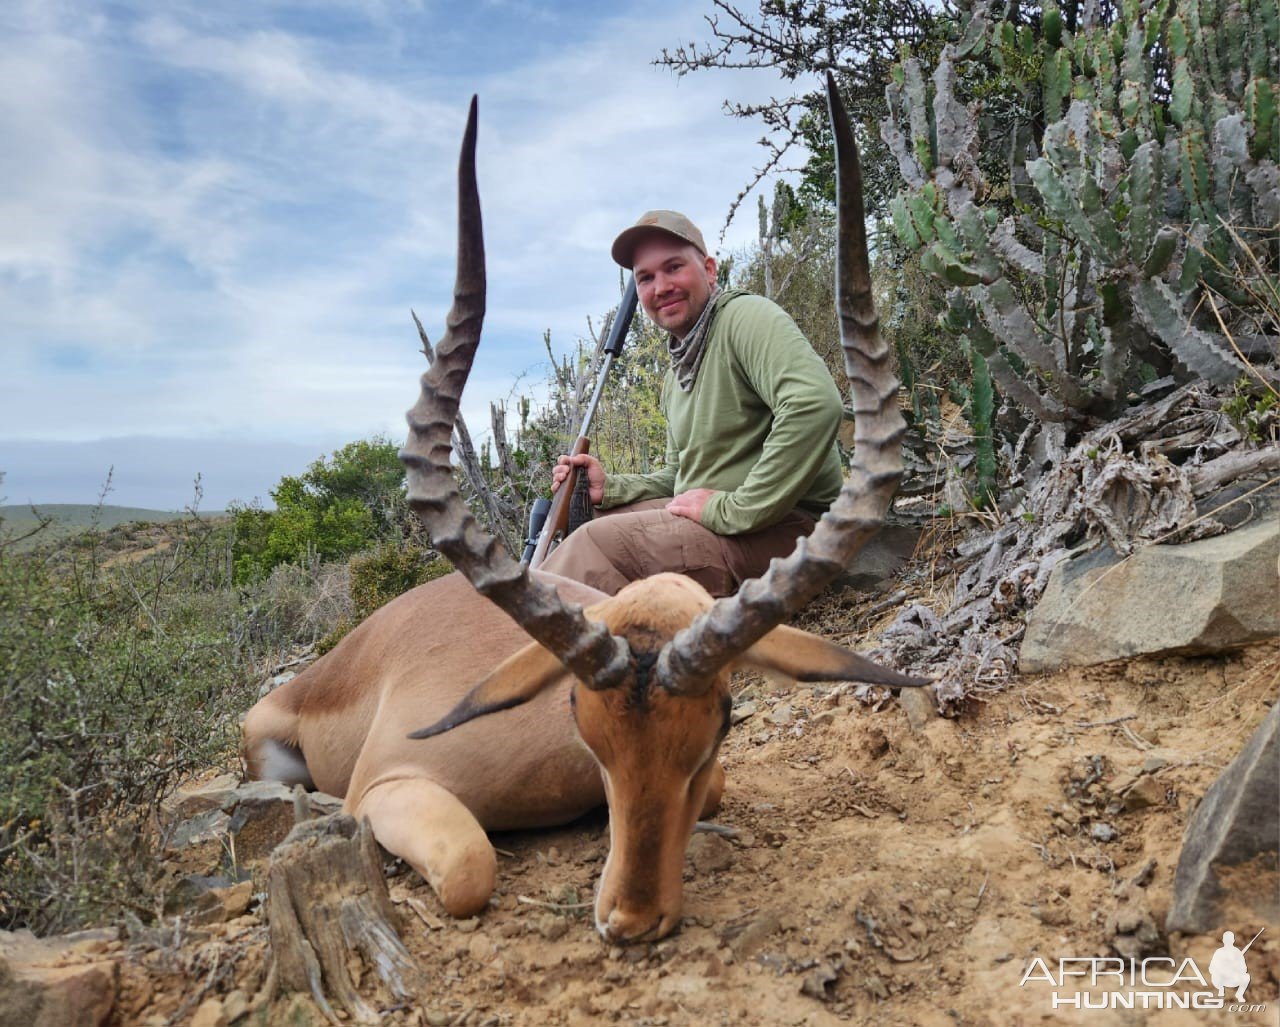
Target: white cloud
{"points": [[217, 223]]}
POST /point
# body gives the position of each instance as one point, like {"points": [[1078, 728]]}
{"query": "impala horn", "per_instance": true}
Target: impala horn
{"points": [[595, 656], [688, 662]]}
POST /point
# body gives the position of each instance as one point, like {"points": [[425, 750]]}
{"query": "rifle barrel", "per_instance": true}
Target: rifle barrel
{"points": [[557, 520]]}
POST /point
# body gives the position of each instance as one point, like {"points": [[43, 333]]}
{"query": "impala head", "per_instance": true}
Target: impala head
{"points": [[651, 665]]}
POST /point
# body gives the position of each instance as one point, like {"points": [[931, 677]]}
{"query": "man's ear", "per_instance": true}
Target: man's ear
{"points": [[804, 657], [516, 680], [710, 266]]}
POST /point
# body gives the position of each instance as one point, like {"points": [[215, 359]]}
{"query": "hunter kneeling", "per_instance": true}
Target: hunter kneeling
{"points": [[752, 415]]}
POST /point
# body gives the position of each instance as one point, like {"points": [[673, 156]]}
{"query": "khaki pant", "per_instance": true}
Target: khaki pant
{"points": [[635, 541]]}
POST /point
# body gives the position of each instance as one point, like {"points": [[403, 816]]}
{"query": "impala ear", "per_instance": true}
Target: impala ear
{"points": [[516, 680], [805, 657]]}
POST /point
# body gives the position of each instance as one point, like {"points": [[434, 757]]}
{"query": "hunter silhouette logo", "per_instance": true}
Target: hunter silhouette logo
{"points": [[1227, 967], [1155, 982]]}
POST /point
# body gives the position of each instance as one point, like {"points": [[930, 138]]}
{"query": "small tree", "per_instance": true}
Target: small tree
{"points": [[340, 505]]}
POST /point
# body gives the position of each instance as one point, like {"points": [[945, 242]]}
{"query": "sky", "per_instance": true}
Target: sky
{"points": [[216, 217]]}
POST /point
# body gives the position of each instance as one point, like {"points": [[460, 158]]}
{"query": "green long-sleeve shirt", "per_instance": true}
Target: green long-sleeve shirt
{"points": [[759, 425]]}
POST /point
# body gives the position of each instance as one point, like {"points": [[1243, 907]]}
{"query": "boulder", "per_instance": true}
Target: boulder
{"points": [[890, 549], [201, 797], [53, 982], [249, 822], [1201, 597], [262, 816], [1237, 821]]}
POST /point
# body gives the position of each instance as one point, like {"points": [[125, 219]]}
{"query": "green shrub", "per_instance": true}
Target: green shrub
{"points": [[379, 576], [117, 682], [340, 505]]}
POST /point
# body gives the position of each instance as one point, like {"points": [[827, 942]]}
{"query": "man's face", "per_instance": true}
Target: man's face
{"points": [[674, 282]]}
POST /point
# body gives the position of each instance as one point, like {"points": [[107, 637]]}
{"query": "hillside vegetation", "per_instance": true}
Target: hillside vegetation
{"points": [[1078, 265]]}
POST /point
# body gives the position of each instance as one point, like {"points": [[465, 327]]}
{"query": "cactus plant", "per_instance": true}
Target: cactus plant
{"points": [[1160, 136]]}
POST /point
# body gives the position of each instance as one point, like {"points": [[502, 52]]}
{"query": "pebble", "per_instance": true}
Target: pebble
{"points": [[1102, 832], [742, 711], [710, 853], [754, 935], [481, 948], [553, 927], [781, 716], [467, 926], [877, 743], [210, 1014], [235, 1005], [1147, 792]]}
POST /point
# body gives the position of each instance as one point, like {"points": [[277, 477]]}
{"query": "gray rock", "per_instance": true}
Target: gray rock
{"points": [[920, 706], [250, 821], [781, 716], [1237, 820], [263, 815], [1201, 597], [1101, 832], [1132, 932], [748, 938], [208, 900], [819, 981], [199, 798], [710, 853], [881, 559], [205, 829]]}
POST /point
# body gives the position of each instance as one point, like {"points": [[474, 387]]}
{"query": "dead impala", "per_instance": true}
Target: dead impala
{"points": [[513, 673]]}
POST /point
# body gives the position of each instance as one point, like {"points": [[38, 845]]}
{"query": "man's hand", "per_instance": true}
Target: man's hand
{"points": [[689, 504], [595, 475]]}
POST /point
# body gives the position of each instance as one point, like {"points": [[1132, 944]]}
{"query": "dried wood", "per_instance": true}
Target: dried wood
{"points": [[1231, 466], [1132, 481], [333, 934]]}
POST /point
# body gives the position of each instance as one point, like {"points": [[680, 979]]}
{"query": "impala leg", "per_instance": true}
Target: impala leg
{"points": [[426, 826], [715, 791], [270, 741]]}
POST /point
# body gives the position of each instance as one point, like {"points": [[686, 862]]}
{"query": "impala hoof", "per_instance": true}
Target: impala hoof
{"points": [[626, 928]]}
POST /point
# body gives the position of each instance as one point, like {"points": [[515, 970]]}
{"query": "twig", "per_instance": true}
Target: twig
{"points": [[1138, 741], [417, 905], [566, 907], [982, 891], [1106, 723], [706, 827]]}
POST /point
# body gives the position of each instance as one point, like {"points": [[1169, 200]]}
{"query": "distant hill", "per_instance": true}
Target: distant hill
{"points": [[70, 518]]}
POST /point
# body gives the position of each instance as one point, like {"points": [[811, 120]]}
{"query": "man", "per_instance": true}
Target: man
{"points": [[752, 415], [1227, 967]]}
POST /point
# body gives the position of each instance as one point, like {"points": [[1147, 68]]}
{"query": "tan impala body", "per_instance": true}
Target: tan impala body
{"points": [[544, 697]]}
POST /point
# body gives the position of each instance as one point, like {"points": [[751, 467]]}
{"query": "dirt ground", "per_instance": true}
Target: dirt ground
{"points": [[881, 873]]}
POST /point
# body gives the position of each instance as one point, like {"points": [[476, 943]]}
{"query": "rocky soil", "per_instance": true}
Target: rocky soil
{"points": [[887, 866]]}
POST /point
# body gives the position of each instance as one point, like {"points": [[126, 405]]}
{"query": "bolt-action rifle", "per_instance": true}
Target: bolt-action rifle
{"points": [[550, 518]]}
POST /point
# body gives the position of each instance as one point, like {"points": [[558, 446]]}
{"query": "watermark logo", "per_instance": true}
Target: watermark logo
{"points": [[1227, 968], [1157, 982]]}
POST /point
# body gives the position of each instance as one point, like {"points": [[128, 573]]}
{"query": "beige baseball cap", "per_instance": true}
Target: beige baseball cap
{"points": [[669, 222]]}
